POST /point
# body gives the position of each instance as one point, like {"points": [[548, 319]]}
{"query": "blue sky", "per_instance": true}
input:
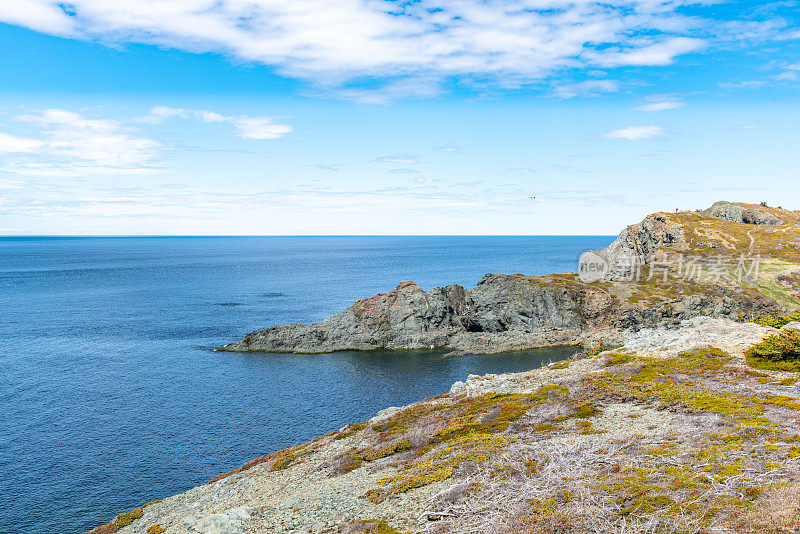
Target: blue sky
{"points": [[375, 117]]}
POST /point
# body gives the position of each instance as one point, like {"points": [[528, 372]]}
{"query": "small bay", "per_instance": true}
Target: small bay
{"points": [[112, 395]]}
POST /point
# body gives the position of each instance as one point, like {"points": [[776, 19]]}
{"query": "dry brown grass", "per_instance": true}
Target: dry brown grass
{"points": [[777, 511]]}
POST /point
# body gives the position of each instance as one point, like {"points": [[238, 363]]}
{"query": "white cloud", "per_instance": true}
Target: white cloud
{"points": [[585, 88], [69, 144], [158, 114], [45, 17], [260, 128], [401, 48], [658, 54], [788, 76], [661, 105], [244, 126], [398, 158], [14, 144], [635, 133], [414, 87], [746, 84]]}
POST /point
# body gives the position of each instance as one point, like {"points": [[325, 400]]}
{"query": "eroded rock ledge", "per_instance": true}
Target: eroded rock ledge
{"points": [[512, 312]]}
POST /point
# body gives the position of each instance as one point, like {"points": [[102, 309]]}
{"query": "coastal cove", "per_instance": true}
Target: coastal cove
{"points": [[116, 397]]}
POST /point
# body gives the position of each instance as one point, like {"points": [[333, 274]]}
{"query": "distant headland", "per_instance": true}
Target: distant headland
{"points": [[668, 268]]}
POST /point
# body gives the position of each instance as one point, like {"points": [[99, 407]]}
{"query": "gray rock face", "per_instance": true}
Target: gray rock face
{"points": [[503, 312], [637, 244], [732, 212]]}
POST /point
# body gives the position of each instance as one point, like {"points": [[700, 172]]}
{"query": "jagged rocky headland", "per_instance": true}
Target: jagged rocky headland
{"points": [[689, 424], [511, 312]]}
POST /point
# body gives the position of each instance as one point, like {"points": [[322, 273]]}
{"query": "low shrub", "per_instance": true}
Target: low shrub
{"points": [[779, 352], [777, 321]]}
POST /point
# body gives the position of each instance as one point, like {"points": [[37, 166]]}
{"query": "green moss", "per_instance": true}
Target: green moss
{"points": [[559, 365], [729, 470], [587, 410], [779, 352], [666, 449], [543, 515], [467, 430], [780, 400], [638, 494], [705, 352], [670, 381], [286, 459], [125, 519], [546, 428], [375, 526], [387, 450], [617, 358], [440, 466], [597, 351], [156, 529], [587, 428]]}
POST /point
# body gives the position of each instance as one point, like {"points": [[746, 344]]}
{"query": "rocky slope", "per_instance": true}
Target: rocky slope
{"points": [[508, 312], [672, 432]]}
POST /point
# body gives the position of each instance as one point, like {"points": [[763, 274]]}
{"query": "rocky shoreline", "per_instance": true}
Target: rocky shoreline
{"points": [[516, 312], [674, 430], [670, 430]]}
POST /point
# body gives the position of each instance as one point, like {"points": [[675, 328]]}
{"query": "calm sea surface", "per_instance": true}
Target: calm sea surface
{"points": [[111, 395]]}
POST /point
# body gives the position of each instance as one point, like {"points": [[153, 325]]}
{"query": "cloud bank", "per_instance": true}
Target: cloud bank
{"points": [[405, 48], [70, 144], [67, 143]]}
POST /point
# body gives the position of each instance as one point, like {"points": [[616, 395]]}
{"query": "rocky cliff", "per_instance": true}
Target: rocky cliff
{"points": [[508, 312]]}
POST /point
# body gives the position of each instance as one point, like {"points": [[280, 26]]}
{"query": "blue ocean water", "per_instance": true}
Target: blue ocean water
{"points": [[111, 394]]}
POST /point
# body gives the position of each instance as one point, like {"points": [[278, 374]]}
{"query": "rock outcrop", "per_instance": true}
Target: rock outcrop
{"points": [[510, 312], [638, 244], [502, 313], [742, 213]]}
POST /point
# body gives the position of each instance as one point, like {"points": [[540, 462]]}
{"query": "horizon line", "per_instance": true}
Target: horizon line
{"points": [[78, 236]]}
